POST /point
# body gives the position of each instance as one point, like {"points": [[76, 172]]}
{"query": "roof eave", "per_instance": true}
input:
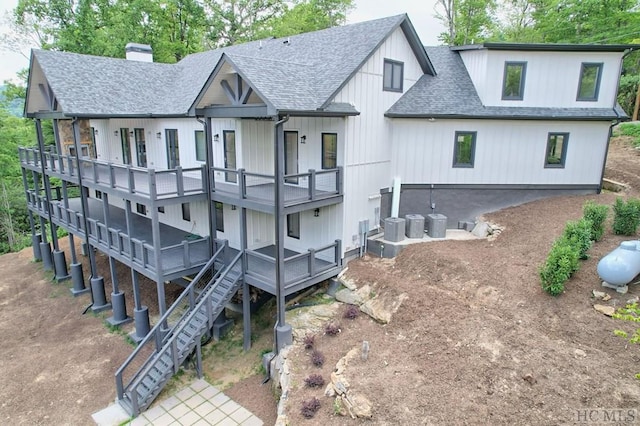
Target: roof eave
{"points": [[549, 47], [503, 117], [318, 113]]}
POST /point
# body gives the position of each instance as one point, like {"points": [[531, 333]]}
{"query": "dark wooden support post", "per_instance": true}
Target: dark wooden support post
{"points": [[157, 254], [35, 238], [283, 331], [45, 248], [140, 312], [98, 296], [211, 207], [246, 297]]}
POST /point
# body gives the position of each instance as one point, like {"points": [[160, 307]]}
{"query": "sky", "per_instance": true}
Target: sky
{"points": [[421, 13]]}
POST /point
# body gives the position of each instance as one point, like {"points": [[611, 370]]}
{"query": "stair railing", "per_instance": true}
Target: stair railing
{"points": [[159, 332]]}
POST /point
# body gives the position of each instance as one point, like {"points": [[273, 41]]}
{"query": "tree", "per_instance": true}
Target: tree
{"points": [[308, 16], [467, 21]]}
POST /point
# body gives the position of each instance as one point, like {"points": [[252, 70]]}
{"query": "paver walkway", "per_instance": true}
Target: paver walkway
{"points": [[197, 404]]}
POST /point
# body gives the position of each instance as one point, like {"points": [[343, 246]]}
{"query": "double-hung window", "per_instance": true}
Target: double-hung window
{"points": [[393, 75], [513, 81]]}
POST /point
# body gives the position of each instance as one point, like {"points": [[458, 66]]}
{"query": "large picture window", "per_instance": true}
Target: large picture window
{"points": [[589, 85], [556, 150], [329, 150], [465, 149], [393, 76], [513, 81]]}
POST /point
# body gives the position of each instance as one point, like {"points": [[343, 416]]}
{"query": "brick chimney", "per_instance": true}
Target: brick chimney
{"points": [[139, 52]]}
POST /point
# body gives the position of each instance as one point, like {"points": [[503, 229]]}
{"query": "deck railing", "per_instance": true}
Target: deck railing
{"points": [[298, 267], [150, 183], [185, 255], [298, 188]]}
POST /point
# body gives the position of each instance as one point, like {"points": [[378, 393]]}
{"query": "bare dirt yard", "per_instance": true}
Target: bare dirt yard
{"points": [[476, 342]]}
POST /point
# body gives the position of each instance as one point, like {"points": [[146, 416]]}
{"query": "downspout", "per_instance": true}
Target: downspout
{"points": [[283, 333], [617, 121]]}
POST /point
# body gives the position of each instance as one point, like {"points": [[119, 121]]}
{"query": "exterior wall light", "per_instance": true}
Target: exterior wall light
{"points": [[115, 133], [303, 139], [159, 135], [216, 137], [316, 212]]}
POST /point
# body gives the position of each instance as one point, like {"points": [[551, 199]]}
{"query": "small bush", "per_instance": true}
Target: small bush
{"points": [[626, 216], [561, 263], [314, 381], [579, 236], [597, 214], [351, 312], [310, 407], [332, 329], [317, 358], [309, 341]]}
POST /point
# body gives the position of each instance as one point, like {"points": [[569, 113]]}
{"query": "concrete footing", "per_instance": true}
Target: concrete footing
{"points": [[35, 243], [60, 264], [220, 326], [99, 296], [77, 278], [45, 252], [119, 316], [141, 317], [284, 336]]}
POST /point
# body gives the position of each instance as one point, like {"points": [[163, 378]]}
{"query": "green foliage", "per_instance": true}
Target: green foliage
{"points": [[627, 92], [561, 263], [630, 313], [579, 236], [596, 214], [630, 129], [467, 21], [626, 216]]}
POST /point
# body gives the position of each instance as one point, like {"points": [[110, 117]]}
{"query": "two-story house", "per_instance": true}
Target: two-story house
{"points": [[267, 164]]}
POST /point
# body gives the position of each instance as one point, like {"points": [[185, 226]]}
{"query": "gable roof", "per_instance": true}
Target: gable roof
{"points": [[305, 72], [297, 73], [451, 94]]}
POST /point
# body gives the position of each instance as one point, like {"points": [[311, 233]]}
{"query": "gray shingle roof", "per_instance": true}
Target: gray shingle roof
{"points": [[302, 72], [451, 94]]}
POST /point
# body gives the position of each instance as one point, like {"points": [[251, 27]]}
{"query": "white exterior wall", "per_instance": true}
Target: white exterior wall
{"points": [[551, 79], [368, 144], [506, 152]]}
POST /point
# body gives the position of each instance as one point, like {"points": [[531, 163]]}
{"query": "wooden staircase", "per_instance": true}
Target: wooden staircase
{"points": [[178, 334]]}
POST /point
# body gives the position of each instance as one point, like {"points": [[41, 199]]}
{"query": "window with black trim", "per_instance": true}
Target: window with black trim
{"points": [[293, 225], [186, 212], [513, 81], [393, 76], [219, 217], [329, 150], [141, 208], [589, 85], [556, 154], [98, 194], [201, 153], [464, 149]]}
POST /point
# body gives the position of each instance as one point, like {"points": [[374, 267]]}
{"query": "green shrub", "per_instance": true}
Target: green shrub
{"points": [[597, 214], [626, 216], [562, 262], [578, 234], [631, 129]]}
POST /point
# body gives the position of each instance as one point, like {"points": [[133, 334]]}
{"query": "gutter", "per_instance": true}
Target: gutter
{"points": [[617, 121]]}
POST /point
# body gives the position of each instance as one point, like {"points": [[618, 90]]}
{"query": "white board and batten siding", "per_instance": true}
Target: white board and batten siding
{"points": [[551, 78], [506, 152], [368, 144]]}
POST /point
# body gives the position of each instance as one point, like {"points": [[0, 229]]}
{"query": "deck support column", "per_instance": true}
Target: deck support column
{"points": [[119, 316], [283, 331], [157, 255], [59, 256], [44, 247], [98, 297], [77, 275], [140, 312], [246, 297], [35, 238], [210, 185]]}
